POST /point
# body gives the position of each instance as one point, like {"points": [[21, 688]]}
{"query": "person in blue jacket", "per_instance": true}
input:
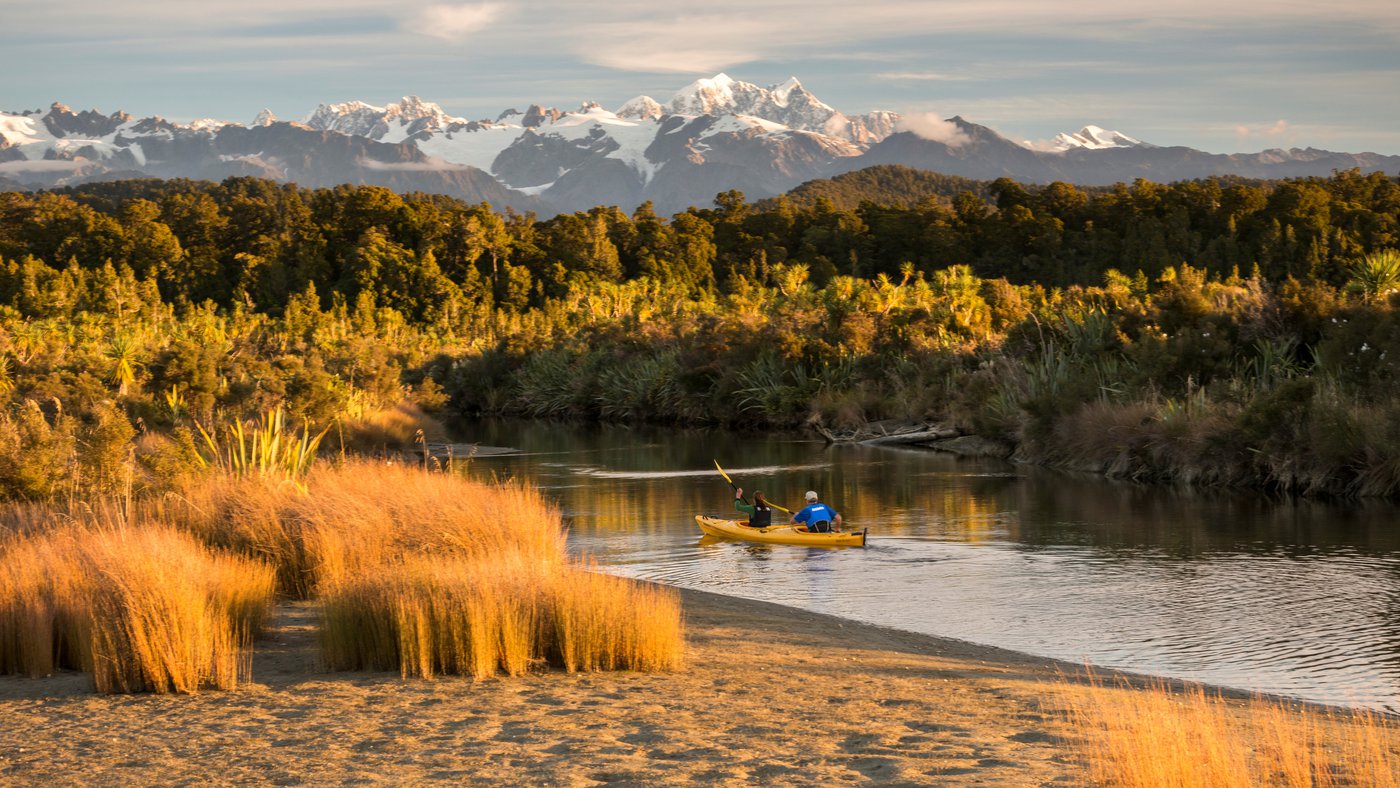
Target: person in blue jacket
{"points": [[817, 516]]}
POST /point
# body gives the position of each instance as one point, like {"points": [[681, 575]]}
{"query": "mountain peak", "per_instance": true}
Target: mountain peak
{"points": [[708, 96], [783, 90], [1094, 138], [641, 108], [413, 108], [264, 118]]}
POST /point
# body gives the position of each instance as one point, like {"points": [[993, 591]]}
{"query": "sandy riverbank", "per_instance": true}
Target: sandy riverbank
{"points": [[773, 695]]}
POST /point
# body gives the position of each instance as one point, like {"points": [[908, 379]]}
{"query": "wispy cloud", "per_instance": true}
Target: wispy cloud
{"points": [[431, 165], [924, 76], [43, 165], [931, 126], [454, 22], [1278, 130]]}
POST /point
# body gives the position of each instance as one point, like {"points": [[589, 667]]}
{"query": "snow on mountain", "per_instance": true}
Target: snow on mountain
{"points": [[391, 123], [641, 108], [710, 96], [713, 135], [208, 124], [17, 130], [787, 103], [1094, 138], [63, 135]]}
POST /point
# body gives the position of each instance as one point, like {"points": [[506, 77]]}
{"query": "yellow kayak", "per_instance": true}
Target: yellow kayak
{"points": [[777, 534]]}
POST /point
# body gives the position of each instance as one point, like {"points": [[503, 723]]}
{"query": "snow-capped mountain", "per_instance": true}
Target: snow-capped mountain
{"points": [[408, 118], [1095, 138], [762, 139], [713, 135], [787, 103], [62, 147]]}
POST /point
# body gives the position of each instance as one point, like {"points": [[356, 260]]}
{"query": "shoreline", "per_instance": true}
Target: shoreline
{"points": [[770, 694], [970, 651]]}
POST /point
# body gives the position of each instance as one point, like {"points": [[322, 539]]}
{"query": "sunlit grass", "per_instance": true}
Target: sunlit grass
{"points": [[351, 517], [140, 608], [1163, 738], [505, 615], [430, 573], [424, 573]]}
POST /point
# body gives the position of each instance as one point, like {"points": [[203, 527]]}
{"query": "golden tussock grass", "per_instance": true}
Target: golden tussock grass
{"points": [[140, 608], [358, 515], [395, 427], [1165, 739], [430, 573], [508, 615], [425, 573]]}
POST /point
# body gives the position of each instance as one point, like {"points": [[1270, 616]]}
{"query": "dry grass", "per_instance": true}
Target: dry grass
{"points": [[387, 428], [140, 608], [358, 516], [431, 573], [419, 572], [478, 618], [1164, 739]]}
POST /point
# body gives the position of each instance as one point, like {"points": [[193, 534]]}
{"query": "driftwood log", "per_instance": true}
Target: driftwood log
{"points": [[889, 432], [900, 432]]}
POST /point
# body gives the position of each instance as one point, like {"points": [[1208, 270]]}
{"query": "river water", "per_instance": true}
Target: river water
{"points": [[1293, 598]]}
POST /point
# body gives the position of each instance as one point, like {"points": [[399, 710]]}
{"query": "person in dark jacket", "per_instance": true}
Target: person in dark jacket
{"points": [[759, 512], [817, 516]]}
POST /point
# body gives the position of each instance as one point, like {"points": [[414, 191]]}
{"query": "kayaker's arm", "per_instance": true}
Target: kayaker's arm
{"points": [[739, 502]]}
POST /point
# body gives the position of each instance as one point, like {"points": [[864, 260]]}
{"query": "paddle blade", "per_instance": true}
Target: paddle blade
{"points": [[722, 473]]}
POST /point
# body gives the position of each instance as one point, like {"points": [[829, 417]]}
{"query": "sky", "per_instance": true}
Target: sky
{"points": [[1237, 76]]}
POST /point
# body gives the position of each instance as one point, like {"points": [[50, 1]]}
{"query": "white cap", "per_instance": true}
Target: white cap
{"points": [[811, 495]]}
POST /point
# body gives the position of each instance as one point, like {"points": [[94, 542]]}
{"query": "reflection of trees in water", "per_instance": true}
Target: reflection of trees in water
{"points": [[911, 493], [1226, 587], [1059, 509]]}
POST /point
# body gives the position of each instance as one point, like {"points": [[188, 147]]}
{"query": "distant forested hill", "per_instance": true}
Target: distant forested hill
{"points": [[886, 184]]}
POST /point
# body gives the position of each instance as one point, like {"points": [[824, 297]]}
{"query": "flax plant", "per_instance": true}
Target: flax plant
{"points": [[266, 447]]}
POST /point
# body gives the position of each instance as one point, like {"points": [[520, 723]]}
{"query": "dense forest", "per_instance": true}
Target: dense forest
{"points": [[1214, 332]]}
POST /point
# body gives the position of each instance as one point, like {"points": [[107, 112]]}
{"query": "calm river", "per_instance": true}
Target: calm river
{"points": [[1299, 599]]}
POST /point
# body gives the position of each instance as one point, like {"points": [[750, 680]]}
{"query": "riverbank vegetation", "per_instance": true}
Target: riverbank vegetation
{"points": [[1217, 332], [425, 573], [1158, 737]]}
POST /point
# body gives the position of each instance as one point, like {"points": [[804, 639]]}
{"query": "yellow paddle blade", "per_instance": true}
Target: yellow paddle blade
{"points": [[732, 484], [722, 473]]}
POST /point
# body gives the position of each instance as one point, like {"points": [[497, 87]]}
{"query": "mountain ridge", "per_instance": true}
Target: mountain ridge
{"points": [[714, 134]]}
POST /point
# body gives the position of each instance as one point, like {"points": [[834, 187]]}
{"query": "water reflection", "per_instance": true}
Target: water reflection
{"points": [[1292, 597]]}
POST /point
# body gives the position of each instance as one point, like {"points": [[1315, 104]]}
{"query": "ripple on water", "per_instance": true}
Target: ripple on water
{"points": [[1285, 597]]}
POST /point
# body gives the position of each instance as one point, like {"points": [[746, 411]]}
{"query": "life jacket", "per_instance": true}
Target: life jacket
{"points": [[762, 516]]}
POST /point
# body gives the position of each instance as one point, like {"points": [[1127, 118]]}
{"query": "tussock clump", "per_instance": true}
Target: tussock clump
{"points": [[430, 573], [1157, 737], [480, 617], [141, 608], [359, 515]]}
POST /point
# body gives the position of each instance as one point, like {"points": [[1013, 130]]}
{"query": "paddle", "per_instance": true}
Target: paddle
{"points": [[745, 500]]}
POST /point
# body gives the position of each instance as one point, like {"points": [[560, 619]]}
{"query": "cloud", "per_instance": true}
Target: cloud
{"points": [[1279, 128], [43, 165], [431, 165], [923, 76], [930, 126], [695, 60], [454, 22]]}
